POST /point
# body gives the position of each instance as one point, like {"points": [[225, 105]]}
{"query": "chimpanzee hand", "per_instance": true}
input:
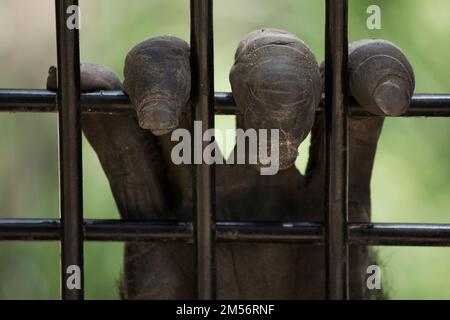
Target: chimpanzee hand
{"points": [[276, 84]]}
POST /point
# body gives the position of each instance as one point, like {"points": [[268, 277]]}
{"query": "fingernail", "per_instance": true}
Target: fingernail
{"points": [[158, 116], [391, 98]]}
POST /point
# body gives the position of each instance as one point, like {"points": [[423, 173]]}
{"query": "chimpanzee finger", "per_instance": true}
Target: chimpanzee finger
{"points": [[382, 81], [276, 85], [129, 155], [382, 85], [157, 79], [363, 139], [136, 169], [380, 77]]}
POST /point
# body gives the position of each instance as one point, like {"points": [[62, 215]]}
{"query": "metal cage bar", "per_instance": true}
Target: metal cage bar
{"points": [[373, 234], [336, 48], [71, 202], [202, 97], [37, 100]]}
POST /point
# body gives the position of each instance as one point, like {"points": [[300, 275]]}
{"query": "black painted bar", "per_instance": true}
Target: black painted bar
{"points": [[336, 52], [71, 201], [376, 234], [406, 234], [38, 100], [202, 96], [162, 231]]}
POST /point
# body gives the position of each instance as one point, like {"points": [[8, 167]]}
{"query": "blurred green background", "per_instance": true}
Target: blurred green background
{"points": [[411, 180]]}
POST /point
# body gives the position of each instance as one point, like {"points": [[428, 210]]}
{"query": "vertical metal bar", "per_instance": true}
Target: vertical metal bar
{"points": [[71, 202], [336, 55], [204, 179]]}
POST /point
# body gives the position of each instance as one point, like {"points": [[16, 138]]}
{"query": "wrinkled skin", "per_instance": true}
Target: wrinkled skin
{"points": [[147, 185], [276, 83], [152, 69]]}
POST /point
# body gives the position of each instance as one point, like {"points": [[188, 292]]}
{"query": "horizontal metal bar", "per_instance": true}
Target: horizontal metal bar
{"points": [[300, 232], [422, 105], [377, 234], [387, 234], [161, 231], [101, 101]]}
